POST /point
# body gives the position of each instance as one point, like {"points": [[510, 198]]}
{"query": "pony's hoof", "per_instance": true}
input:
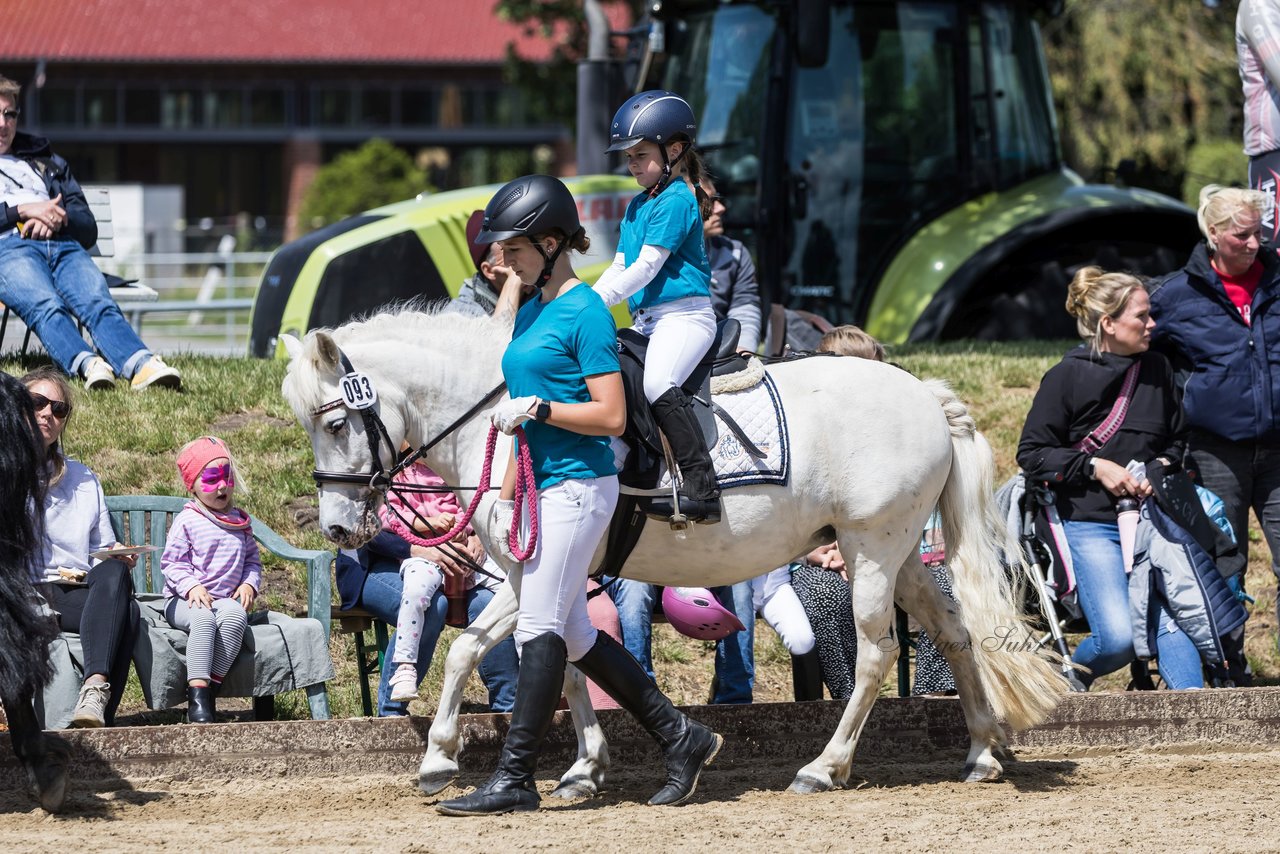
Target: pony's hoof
{"points": [[47, 776], [982, 772], [434, 782], [805, 784], [576, 788]]}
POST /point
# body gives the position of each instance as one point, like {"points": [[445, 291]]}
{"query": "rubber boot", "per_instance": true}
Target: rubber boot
{"points": [[699, 493], [688, 745], [538, 687], [200, 706]]}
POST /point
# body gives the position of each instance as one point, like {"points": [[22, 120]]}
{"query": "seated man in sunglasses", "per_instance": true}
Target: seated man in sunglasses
{"points": [[46, 274]]}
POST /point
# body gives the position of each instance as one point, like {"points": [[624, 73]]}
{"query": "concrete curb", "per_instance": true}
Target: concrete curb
{"points": [[786, 733]]}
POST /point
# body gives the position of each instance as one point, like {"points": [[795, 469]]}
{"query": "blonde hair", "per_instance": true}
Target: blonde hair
{"points": [[9, 89], [1094, 294], [1221, 205], [850, 340], [56, 457]]}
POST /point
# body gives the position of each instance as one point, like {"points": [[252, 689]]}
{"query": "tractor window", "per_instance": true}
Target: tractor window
{"points": [[873, 147], [1025, 139], [373, 276]]}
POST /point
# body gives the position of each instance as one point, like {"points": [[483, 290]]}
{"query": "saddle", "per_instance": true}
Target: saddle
{"points": [[642, 435]]}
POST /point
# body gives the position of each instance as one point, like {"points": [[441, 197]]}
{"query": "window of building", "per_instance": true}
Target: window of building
{"points": [[375, 107], [101, 106], [419, 107], [142, 107], [180, 108], [267, 108], [224, 108], [333, 107], [58, 105]]}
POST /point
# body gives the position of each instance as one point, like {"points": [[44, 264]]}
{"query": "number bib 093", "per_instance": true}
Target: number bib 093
{"points": [[357, 391]]}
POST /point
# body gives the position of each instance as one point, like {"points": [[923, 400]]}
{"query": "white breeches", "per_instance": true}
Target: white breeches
{"points": [[679, 334]]}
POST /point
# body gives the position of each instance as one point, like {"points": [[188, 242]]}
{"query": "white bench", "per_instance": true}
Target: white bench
{"points": [[127, 293]]}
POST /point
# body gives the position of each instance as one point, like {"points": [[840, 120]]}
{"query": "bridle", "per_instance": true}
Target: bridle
{"points": [[356, 391]]}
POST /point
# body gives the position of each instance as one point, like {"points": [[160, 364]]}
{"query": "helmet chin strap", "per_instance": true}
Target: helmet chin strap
{"points": [[667, 163], [548, 262]]}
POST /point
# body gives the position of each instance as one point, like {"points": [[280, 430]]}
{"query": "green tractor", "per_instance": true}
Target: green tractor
{"points": [[890, 164]]}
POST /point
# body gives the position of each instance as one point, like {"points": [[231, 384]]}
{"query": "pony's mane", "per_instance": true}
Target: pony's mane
{"points": [[452, 339]]}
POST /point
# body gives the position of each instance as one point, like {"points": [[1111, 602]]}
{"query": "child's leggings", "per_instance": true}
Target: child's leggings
{"points": [[679, 334], [215, 635], [420, 579]]}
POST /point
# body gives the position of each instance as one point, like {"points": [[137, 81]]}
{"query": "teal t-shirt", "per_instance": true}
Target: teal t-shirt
{"points": [[555, 346], [670, 221]]}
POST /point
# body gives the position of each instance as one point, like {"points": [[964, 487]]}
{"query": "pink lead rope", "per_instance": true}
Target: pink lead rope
{"points": [[526, 491]]}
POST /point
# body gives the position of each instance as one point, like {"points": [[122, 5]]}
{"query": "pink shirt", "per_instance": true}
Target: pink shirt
{"points": [[428, 504], [199, 551]]}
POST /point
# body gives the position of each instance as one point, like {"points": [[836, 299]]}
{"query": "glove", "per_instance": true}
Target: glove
{"points": [[1235, 584], [510, 414], [501, 516]]}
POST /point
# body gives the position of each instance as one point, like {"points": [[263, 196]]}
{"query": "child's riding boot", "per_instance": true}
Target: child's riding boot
{"points": [[200, 707], [688, 745], [538, 687], [699, 493]]}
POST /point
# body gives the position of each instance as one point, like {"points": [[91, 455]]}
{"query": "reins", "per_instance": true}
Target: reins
{"points": [[358, 394]]}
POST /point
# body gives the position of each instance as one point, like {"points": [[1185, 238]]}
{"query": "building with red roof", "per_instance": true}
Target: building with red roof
{"points": [[240, 101]]}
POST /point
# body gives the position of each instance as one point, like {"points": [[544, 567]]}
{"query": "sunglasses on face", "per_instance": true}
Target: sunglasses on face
{"points": [[215, 477], [59, 408]]}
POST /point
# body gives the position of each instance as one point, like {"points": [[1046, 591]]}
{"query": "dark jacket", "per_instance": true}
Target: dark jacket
{"points": [[1075, 396], [57, 176], [735, 292], [1229, 373]]}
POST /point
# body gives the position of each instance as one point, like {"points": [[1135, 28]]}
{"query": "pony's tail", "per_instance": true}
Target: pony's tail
{"points": [[1022, 683]]}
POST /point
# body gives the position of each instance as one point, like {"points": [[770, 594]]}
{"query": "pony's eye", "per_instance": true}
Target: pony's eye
{"points": [[336, 427]]}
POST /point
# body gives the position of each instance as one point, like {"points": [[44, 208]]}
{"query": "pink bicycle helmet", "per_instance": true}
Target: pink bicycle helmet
{"points": [[693, 611]]}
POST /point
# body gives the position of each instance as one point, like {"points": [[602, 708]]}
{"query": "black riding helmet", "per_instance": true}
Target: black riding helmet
{"points": [[656, 115], [529, 206]]}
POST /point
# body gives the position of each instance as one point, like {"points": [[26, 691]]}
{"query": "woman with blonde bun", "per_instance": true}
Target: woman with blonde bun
{"points": [[1075, 397], [1219, 323]]}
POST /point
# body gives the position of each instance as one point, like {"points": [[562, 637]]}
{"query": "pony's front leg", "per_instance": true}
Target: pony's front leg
{"points": [[439, 765], [585, 778], [872, 593], [920, 597]]}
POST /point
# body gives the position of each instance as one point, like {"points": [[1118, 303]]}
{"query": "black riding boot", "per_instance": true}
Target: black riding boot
{"points": [[200, 705], [688, 745], [699, 495], [538, 688]]}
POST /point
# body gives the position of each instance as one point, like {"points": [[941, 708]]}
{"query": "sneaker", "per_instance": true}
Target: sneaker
{"points": [[98, 375], [91, 708], [156, 372], [404, 683]]}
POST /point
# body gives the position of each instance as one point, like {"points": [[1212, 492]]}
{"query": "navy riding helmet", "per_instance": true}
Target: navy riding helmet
{"points": [[656, 115], [528, 206]]}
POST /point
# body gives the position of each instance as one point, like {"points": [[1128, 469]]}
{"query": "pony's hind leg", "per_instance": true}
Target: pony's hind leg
{"points": [[920, 597], [44, 756], [585, 778], [872, 594], [439, 765]]}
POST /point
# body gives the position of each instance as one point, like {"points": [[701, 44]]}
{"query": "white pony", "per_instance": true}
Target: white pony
{"points": [[873, 451]]}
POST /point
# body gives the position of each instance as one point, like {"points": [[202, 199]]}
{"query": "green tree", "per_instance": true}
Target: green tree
{"points": [[549, 89], [377, 173], [1145, 81]]}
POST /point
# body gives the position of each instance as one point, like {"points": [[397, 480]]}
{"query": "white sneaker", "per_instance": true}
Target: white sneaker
{"points": [[91, 708], [404, 683], [155, 372], [98, 375]]}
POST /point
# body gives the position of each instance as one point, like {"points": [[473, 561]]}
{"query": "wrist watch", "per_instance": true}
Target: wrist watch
{"points": [[1093, 468], [542, 411]]}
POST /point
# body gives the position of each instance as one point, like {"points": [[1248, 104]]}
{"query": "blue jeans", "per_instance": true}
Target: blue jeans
{"points": [[1104, 597], [381, 597], [49, 283], [735, 660]]}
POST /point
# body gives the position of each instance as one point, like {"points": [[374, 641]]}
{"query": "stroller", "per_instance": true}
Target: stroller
{"points": [[1051, 589]]}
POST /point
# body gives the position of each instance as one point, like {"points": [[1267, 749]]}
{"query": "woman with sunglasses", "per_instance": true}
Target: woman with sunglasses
{"points": [[93, 598]]}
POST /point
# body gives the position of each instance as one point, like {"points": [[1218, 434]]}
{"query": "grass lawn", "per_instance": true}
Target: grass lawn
{"points": [[131, 439]]}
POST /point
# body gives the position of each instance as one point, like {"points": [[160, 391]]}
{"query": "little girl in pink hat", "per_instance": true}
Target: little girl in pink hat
{"points": [[212, 571]]}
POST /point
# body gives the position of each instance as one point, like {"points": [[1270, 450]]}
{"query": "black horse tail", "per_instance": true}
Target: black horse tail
{"points": [[26, 630]]}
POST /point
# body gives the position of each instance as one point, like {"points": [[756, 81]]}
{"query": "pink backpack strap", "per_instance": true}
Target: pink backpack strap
{"points": [[1110, 425]]}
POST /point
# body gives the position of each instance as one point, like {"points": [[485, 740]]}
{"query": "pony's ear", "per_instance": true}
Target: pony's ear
{"points": [[327, 354], [292, 346]]}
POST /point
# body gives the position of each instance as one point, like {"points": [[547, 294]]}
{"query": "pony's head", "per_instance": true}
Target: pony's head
{"points": [[340, 437]]}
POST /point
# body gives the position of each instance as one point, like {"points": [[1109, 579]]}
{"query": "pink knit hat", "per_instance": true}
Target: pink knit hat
{"points": [[196, 455]]}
